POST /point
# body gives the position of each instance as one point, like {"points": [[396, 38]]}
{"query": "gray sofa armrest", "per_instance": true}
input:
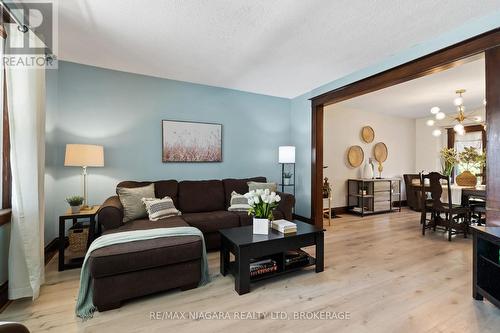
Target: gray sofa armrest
{"points": [[286, 205], [110, 215]]}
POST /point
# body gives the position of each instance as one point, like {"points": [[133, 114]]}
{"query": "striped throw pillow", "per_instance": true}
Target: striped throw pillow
{"points": [[238, 203], [160, 208]]}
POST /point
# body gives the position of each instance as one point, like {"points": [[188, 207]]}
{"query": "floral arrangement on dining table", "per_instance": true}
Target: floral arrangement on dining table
{"points": [[469, 159], [262, 202]]}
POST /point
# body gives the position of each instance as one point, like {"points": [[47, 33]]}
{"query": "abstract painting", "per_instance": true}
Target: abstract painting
{"points": [[191, 142]]}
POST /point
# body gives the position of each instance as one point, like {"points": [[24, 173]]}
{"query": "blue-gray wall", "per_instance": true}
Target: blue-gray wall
{"points": [[123, 112]]}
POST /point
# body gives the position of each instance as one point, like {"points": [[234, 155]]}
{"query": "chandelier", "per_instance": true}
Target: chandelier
{"points": [[457, 119]]}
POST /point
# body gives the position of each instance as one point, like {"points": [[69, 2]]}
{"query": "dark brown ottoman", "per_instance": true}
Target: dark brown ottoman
{"points": [[124, 271]]}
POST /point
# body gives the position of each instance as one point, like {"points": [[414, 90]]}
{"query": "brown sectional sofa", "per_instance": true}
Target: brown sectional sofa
{"points": [[125, 271]]}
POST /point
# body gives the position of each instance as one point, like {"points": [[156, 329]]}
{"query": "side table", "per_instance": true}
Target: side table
{"points": [[89, 214]]}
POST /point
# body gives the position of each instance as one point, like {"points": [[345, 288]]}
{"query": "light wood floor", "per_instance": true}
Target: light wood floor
{"points": [[379, 269]]}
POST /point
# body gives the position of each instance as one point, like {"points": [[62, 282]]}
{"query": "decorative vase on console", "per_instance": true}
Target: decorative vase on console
{"points": [[368, 170], [262, 203]]}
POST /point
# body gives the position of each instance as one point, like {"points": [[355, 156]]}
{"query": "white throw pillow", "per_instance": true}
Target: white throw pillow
{"points": [[238, 203], [160, 208]]}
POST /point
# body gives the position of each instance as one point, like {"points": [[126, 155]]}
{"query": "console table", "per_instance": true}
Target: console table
{"points": [[372, 196], [486, 264]]}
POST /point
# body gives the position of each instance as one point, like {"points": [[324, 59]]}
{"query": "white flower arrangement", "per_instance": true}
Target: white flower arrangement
{"points": [[262, 203]]}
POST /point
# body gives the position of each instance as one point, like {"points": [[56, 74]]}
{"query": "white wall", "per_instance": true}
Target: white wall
{"points": [[427, 147], [342, 129]]}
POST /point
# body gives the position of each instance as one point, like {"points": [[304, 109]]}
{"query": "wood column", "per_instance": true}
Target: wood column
{"points": [[492, 59], [317, 165]]}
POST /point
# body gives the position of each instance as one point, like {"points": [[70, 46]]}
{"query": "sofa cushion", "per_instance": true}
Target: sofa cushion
{"points": [[134, 256], [238, 185], [131, 199], [245, 219], [212, 221], [201, 196], [142, 224], [167, 188]]}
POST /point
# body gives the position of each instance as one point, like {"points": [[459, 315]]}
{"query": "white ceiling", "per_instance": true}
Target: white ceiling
{"points": [[280, 47], [414, 99]]}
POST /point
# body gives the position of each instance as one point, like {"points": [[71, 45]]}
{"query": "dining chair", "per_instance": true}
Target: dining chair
{"points": [[477, 208], [453, 218]]}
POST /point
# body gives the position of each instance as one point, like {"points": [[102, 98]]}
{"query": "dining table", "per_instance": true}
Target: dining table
{"points": [[460, 195]]}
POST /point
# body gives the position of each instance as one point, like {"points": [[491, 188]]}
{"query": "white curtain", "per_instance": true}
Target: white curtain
{"points": [[26, 103]]}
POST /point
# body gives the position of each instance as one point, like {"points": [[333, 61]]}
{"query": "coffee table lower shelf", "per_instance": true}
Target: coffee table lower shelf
{"points": [[291, 268]]}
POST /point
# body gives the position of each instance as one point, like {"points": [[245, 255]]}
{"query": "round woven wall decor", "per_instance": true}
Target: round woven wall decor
{"points": [[355, 156], [367, 134], [380, 152]]}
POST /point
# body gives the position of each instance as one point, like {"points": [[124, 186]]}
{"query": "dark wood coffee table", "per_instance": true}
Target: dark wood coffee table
{"points": [[246, 246]]}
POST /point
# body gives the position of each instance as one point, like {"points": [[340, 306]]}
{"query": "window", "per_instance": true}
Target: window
{"points": [[471, 139], [474, 136]]}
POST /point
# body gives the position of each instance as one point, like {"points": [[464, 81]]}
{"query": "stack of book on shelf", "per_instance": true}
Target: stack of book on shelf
{"points": [[284, 226], [296, 258], [262, 267]]}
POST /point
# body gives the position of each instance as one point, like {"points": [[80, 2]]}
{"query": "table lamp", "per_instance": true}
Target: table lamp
{"points": [[84, 156]]}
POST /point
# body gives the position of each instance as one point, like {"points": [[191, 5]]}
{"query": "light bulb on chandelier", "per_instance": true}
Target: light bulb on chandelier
{"points": [[435, 109], [458, 101], [430, 122], [459, 129], [436, 132], [440, 115]]}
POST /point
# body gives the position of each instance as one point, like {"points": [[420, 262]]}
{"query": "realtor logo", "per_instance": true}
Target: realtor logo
{"points": [[31, 39]]}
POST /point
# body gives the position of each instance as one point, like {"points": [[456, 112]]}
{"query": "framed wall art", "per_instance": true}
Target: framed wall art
{"points": [[185, 141]]}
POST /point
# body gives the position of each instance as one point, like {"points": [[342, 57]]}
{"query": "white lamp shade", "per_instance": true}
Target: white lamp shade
{"points": [[286, 154], [84, 155]]}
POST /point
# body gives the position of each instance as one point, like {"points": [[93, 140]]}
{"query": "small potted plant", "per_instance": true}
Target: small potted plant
{"points": [[287, 177], [470, 160], [75, 203], [262, 203], [449, 158]]}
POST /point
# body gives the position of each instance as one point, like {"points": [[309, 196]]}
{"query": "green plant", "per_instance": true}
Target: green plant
{"points": [[449, 158], [287, 175], [470, 159], [75, 200]]}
